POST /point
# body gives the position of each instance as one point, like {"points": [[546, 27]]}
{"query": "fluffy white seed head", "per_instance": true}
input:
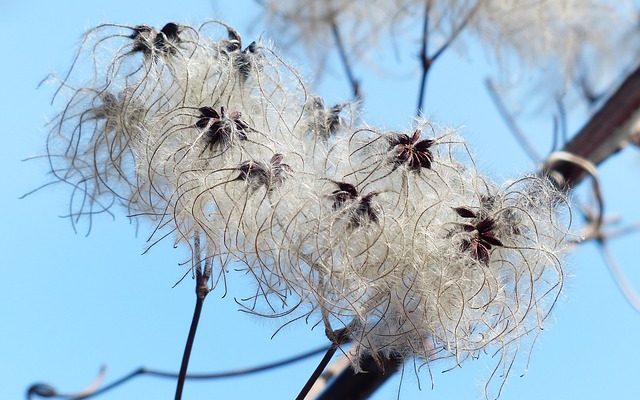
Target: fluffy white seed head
{"points": [[394, 235]]}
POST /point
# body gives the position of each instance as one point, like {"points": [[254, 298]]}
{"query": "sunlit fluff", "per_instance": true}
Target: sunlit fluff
{"points": [[561, 34], [394, 235]]}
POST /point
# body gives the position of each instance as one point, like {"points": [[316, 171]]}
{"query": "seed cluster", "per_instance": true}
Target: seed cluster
{"points": [[394, 235]]}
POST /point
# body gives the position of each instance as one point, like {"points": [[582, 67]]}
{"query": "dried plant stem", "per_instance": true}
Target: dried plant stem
{"points": [[627, 290], [39, 389], [337, 338], [317, 372], [507, 117], [202, 289], [604, 134], [187, 348], [353, 385], [344, 58], [424, 56], [427, 59]]}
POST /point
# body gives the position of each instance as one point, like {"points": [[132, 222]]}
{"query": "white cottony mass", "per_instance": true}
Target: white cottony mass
{"points": [[394, 235]]}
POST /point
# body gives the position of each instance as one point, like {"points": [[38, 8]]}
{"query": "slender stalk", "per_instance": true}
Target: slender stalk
{"points": [[317, 372], [187, 348], [517, 133], [337, 337], [604, 134], [110, 386], [427, 59], [628, 292], [355, 386], [44, 390], [424, 56], [344, 58], [202, 289]]}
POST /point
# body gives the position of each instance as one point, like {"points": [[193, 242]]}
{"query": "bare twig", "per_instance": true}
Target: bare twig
{"points": [[189, 345], [586, 89], [507, 117], [344, 58], [619, 276], [428, 60], [202, 289], [48, 391], [332, 370], [337, 338], [317, 372], [45, 390], [595, 231], [622, 231], [562, 118], [424, 57], [604, 134], [456, 31], [355, 386]]}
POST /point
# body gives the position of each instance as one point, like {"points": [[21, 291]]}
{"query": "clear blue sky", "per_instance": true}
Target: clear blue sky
{"points": [[70, 303]]}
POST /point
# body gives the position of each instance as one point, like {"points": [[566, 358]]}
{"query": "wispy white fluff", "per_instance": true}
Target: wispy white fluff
{"points": [[560, 34], [395, 235]]}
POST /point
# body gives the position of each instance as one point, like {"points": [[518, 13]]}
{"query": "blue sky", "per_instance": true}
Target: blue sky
{"points": [[71, 303]]}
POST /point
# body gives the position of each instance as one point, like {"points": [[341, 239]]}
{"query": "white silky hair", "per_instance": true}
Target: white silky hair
{"points": [[390, 257]]}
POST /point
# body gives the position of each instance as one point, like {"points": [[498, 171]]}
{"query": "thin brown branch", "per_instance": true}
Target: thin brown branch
{"points": [[595, 231], [428, 60], [355, 386], [424, 57], [586, 89], [604, 135], [337, 338], [188, 346], [344, 59], [45, 390], [332, 370], [317, 372], [508, 119], [628, 292], [622, 231], [202, 289], [456, 31], [562, 119]]}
